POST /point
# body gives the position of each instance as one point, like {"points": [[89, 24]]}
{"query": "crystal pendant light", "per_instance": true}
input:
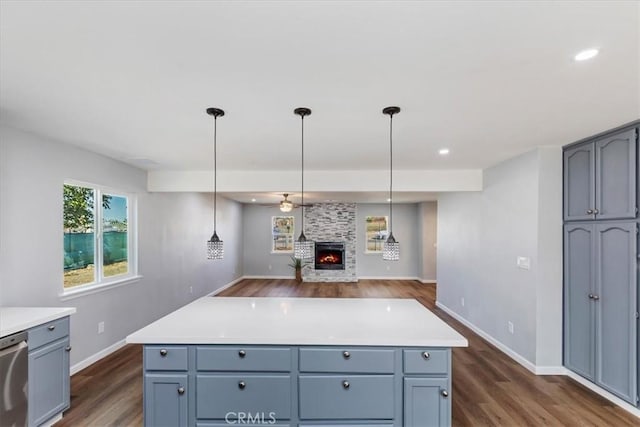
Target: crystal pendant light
{"points": [[302, 248], [215, 248], [391, 248]]}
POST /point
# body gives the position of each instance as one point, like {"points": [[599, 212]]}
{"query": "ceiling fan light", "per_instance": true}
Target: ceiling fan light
{"points": [[286, 206]]}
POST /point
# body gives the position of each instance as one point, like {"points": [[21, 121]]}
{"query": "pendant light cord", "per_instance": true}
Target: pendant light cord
{"points": [[390, 174], [215, 170], [302, 138]]}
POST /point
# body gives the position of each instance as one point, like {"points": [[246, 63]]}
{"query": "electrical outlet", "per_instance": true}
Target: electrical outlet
{"points": [[270, 267], [523, 262], [510, 326], [190, 289], [462, 301], [388, 267], [100, 327]]}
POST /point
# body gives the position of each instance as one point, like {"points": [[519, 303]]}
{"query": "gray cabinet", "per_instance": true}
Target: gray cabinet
{"points": [[600, 267], [168, 391], [600, 178], [426, 402], [49, 380]]}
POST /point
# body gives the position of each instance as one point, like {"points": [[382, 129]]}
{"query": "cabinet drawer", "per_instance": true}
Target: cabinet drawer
{"points": [[166, 358], [244, 422], [346, 397], [426, 361], [347, 360], [243, 359], [219, 395], [48, 332]]}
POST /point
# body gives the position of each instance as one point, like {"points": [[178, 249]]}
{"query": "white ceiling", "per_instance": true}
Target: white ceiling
{"points": [[489, 80]]}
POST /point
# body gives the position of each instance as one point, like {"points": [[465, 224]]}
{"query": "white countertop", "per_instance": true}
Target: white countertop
{"points": [[16, 319], [301, 321]]}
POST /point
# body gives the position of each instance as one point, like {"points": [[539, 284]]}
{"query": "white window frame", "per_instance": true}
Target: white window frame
{"points": [[103, 283]]}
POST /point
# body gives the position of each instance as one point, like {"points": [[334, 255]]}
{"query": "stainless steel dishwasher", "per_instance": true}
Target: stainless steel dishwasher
{"points": [[14, 374]]}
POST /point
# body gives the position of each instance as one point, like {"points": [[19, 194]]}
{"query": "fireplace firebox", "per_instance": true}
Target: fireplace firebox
{"points": [[329, 256]]}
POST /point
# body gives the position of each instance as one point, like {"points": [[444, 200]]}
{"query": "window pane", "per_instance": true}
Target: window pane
{"points": [[114, 235], [79, 243]]}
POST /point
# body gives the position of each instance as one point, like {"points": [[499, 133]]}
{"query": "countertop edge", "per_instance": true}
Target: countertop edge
{"points": [[32, 321]]}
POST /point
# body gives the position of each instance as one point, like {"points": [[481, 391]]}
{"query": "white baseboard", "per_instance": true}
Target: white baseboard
{"points": [[540, 370], [292, 277], [429, 282], [227, 286], [602, 392], [388, 278], [503, 348], [97, 356]]}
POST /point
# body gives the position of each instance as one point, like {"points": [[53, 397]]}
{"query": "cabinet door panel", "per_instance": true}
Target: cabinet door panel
{"points": [[616, 176], [424, 404], [579, 182], [579, 322], [164, 405], [616, 286], [48, 381]]}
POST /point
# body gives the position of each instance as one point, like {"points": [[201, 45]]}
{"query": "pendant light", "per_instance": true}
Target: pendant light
{"points": [[391, 248], [302, 248], [215, 248]]}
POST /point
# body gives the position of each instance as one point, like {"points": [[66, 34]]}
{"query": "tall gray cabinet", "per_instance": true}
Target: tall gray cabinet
{"points": [[601, 260]]}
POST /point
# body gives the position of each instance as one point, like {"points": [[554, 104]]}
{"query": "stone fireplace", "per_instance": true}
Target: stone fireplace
{"points": [[331, 224], [329, 256]]}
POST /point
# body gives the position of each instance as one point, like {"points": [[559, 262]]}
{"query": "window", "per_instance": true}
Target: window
{"points": [[99, 231], [282, 230], [376, 233]]}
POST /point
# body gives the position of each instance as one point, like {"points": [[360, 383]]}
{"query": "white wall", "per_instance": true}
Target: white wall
{"points": [[257, 242], [173, 230], [480, 236], [428, 226]]}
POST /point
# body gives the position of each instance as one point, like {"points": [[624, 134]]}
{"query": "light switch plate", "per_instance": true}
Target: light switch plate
{"points": [[524, 262]]}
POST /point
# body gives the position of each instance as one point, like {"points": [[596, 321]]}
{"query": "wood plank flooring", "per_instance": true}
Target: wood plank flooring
{"points": [[489, 388]]}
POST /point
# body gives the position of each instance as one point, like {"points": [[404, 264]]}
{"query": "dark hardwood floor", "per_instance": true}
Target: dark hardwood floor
{"points": [[489, 388]]}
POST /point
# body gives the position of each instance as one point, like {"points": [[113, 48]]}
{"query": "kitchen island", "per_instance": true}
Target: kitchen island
{"points": [[298, 362]]}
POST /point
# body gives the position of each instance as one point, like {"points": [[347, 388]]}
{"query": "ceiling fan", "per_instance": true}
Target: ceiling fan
{"points": [[285, 205]]}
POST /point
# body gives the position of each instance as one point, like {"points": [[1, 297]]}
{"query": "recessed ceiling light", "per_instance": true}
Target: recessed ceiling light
{"points": [[253, 200], [443, 151], [586, 54]]}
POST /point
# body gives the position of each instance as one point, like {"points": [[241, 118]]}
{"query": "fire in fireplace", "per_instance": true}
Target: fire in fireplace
{"points": [[329, 256]]}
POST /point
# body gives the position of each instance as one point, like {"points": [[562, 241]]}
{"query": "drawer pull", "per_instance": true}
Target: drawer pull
{"points": [[426, 355], [589, 211], [346, 385], [242, 354], [445, 393], [51, 327], [181, 390], [68, 348], [346, 355], [242, 385], [163, 352]]}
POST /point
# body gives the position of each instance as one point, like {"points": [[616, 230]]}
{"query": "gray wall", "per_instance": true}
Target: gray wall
{"points": [[405, 230], [257, 257], [257, 242], [428, 226], [172, 234], [480, 236]]}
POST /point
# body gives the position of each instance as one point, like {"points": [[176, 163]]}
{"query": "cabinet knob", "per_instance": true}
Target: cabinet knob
{"points": [[346, 355], [590, 296], [163, 352], [345, 385], [51, 327], [242, 385], [596, 297], [589, 211], [242, 354], [181, 390], [426, 355], [596, 211], [68, 348], [445, 393]]}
